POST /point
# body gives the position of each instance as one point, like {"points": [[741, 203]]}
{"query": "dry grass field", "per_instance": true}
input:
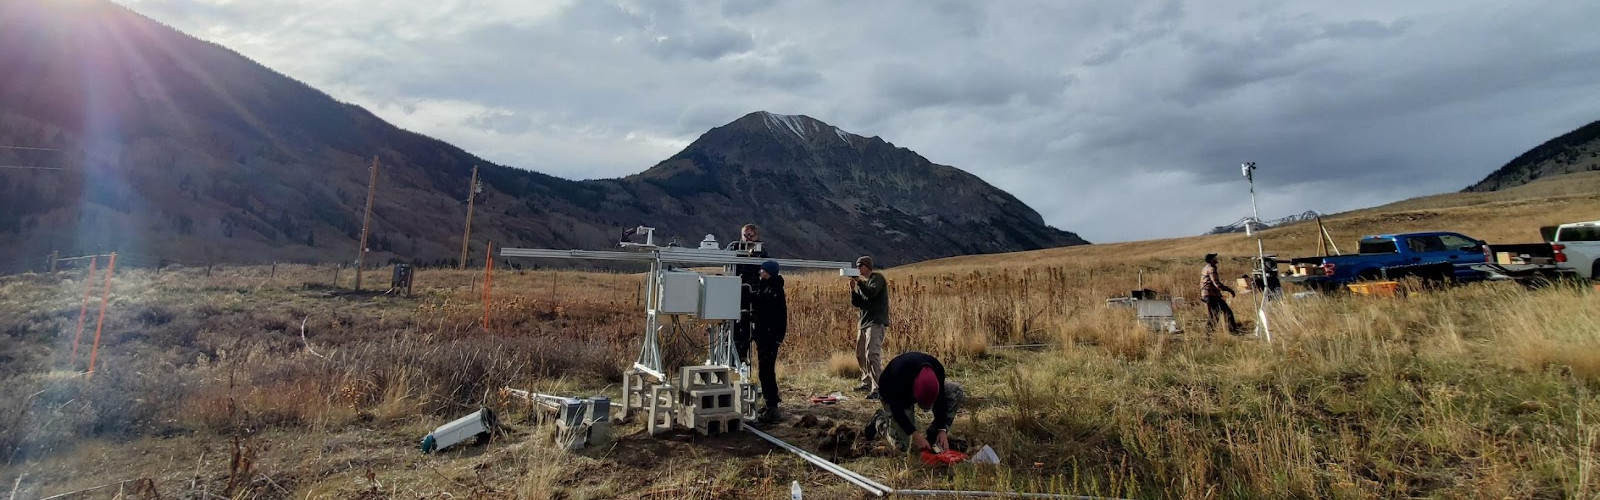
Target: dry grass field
{"points": [[245, 385]]}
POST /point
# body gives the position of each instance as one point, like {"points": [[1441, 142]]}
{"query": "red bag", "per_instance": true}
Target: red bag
{"points": [[946, 457]]}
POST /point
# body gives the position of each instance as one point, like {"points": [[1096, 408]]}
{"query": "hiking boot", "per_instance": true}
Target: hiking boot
{"points": [[874, 426], [863, 387], [873, 396], [769, 415]]}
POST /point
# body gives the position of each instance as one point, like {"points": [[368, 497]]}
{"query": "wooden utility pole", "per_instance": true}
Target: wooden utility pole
{"points": [[472, 198], [1322, 239], [1327, 239], [366, 222]]}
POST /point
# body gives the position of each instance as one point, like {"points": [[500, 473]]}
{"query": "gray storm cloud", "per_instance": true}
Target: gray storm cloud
{"points": [[1116, 120]]}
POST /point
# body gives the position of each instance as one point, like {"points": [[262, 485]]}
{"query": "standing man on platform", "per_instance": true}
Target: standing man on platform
{"points": [[748, 245]]}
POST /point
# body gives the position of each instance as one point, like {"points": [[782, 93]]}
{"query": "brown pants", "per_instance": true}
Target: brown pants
{"points": [[869, 355]]}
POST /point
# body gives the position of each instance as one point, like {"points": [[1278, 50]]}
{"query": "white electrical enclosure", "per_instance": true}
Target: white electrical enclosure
{"points": [[719, 299], [471, 426], [679, 293]]}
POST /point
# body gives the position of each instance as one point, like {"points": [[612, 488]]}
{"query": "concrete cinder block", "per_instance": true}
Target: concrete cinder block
{"points": [[705, 377], [712, 399], [663, 408], [749, 400], [635, 393], [713, 426], [570, 437]]}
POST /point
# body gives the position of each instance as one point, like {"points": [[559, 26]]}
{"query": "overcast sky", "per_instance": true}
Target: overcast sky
{"points": [[1115, 119]]}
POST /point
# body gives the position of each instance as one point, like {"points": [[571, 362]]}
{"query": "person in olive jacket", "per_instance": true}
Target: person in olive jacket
{"points": [[770, 312], [869, 293]]}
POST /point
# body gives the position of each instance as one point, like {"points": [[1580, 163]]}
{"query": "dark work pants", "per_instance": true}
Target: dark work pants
{"points": [[741, 339], [1215, 306], [767, 350]]}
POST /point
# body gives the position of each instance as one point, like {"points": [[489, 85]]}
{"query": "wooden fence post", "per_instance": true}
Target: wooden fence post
{"points": [[94, 352], [88, 285]]}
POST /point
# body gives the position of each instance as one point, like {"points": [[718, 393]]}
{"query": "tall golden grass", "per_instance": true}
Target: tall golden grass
{"points": [[1475, 391]]}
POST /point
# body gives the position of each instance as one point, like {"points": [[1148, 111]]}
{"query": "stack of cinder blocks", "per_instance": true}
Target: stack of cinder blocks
{"points": [[658, 401], [710, 402]]}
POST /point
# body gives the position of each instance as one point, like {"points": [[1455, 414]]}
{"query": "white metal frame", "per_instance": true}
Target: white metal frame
{"points": [[721, 351]]}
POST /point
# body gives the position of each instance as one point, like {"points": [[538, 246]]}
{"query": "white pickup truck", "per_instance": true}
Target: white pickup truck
{"points": [[1577, 247]]}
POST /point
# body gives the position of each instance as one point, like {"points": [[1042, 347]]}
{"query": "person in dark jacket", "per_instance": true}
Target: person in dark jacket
{"points": [[916, 380], [748, 245], [771, 315]]}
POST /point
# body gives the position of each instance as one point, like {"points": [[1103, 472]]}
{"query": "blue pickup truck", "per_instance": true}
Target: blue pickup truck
{"points": [[1431, 256]]}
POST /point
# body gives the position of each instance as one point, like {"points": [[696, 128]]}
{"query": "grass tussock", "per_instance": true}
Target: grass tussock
{"points": [[844, 365]]}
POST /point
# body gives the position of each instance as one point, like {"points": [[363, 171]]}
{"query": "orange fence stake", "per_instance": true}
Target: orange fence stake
{"points": [[94, 352], [488, 284], [88, 285]]}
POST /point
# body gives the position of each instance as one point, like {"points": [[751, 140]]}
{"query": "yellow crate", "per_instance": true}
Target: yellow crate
{"points": [[1375, 288], [1306, 270]]}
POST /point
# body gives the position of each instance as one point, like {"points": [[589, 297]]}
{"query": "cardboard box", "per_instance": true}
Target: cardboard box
{"points": [[1503, 258], [1375, 288]]}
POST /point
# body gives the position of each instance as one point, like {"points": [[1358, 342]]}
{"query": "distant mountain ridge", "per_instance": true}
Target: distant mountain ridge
{"points": [[183, 149], [1575, 151], [818, 179]]}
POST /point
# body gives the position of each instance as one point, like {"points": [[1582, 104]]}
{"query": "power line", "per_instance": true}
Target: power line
{"points": [[26, 167], [28, 148]]}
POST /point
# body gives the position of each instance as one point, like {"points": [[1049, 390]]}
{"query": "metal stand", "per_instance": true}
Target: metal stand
{"points": [[722, 349], [698, 403], [1262, 327]]}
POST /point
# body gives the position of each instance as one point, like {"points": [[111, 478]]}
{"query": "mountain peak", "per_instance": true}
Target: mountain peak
{"points": [[801, 127]]}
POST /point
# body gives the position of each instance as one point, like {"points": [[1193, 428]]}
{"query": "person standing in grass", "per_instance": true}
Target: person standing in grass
{"points": [[770, 310], [869, 293], [910, 381], [1211, 288]]}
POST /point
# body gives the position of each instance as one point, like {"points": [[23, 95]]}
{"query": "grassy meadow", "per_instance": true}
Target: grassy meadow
{"points": [[258, 383]]}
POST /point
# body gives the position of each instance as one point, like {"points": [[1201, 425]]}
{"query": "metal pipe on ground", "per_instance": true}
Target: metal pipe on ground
{"points": [[873, 487], [993, 494], [878, 489]]}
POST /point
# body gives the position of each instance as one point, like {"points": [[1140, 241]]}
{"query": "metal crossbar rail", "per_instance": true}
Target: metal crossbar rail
{"points": [[673, 255]]}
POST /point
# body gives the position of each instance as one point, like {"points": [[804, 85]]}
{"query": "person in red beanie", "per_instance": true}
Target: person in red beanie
{"points": [[916, 380]]}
